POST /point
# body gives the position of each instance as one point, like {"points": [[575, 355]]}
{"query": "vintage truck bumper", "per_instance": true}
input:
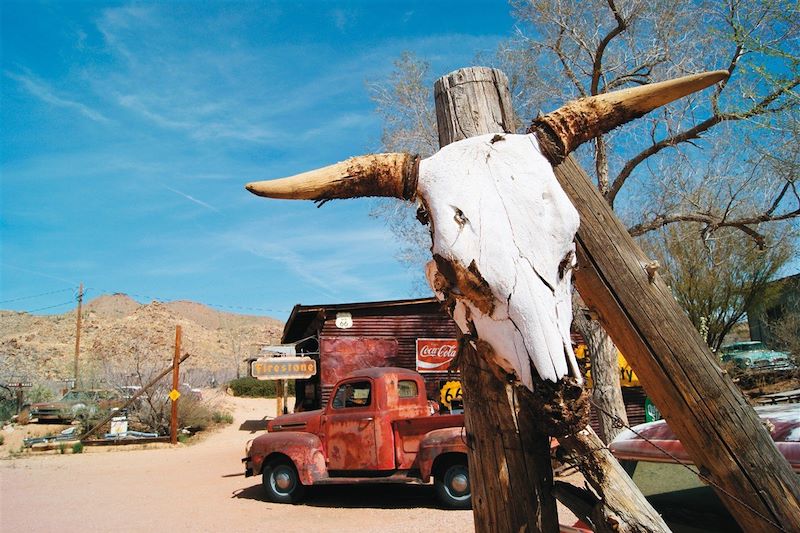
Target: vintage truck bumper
{"points": [[248, 467]]}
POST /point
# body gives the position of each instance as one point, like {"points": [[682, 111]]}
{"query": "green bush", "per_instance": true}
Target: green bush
{"points": [[77, 447], [62, 448], [254, 388], [221, 417]]}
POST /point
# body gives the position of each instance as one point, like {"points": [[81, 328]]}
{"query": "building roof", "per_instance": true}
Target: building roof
{"points": [[302, 316]]}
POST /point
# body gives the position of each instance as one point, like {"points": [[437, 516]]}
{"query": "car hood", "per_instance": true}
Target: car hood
{"points": [[49, 405], [294, 421]]}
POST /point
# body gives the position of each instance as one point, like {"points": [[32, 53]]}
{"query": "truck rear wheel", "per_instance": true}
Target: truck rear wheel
{"points": [[282, 483], [452, 486]]}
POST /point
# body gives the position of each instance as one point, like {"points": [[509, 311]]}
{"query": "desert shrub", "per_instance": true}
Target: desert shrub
{"points": [[194, 413], [254, 388], [222, 417], [39, 393], [62, 448], [2, 440], [77, 447]]}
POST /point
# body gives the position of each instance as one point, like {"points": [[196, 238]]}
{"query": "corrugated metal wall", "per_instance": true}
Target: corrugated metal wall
{"points": [[404, 324]]}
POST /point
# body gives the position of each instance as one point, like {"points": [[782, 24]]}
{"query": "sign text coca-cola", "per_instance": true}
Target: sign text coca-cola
{"points": [[435, 355]]}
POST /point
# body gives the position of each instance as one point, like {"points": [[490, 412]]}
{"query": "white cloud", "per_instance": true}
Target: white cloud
{"points": [[47, 94]]}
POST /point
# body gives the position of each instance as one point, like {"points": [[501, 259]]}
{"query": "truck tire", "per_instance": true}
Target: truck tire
{"points": [[282, 483], [452, 485]]}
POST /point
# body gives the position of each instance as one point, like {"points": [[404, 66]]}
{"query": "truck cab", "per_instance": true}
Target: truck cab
{"points": [[377, 427]]}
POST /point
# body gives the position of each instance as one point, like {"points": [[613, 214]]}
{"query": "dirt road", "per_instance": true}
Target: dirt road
{"points": [[198, 488]]}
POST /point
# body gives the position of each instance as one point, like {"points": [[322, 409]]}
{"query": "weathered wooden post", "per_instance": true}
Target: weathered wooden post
{"points": [[509, 460], [508, 450]]}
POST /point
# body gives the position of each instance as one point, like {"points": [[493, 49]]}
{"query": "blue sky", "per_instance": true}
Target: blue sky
{"points": [[130, 129]]}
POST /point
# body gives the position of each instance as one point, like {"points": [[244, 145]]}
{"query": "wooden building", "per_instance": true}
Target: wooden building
{"points": [[415, 334], [349, 336]]}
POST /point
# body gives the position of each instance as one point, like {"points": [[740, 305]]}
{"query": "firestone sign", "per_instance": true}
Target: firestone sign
{"points": [[435, 355], [267, 368]]}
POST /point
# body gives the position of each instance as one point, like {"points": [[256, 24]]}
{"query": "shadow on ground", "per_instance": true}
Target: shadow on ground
{"points": [[378, 496], [254, 425]]}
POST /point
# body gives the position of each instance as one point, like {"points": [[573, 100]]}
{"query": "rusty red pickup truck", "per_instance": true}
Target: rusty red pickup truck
{"points": [[377, 427]]}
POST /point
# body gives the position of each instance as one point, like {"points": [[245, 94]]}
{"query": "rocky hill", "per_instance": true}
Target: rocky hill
{"points": [[122, 340]]}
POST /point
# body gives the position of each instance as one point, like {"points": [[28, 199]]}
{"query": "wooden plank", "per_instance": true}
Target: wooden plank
{"points": [[718, 428]]}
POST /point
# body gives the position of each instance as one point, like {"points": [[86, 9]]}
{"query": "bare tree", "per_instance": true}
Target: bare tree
{"points": [[717, 279]]}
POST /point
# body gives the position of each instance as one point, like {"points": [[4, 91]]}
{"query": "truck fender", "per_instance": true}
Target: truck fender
{"points": [[437, 443], [302, 449]]}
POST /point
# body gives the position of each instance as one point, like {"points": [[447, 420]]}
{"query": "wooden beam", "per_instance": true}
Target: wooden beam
{"points": [[721, 432]]}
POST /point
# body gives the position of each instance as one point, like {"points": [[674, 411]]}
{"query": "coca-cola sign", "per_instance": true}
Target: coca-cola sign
{"points": [[435, 355]]}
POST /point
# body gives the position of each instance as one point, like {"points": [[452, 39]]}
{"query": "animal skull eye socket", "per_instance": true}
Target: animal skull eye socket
{"points": [[459, 217]]}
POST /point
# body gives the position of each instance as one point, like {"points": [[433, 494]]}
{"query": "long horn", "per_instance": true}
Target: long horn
{"points": [[578, 121], [390, 175]]}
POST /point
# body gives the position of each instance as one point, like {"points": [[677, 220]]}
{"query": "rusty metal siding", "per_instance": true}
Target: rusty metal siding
{"points": [[404, 324]]}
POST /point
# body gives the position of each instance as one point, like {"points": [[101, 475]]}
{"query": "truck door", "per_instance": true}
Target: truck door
{"points": [[349, 427]]}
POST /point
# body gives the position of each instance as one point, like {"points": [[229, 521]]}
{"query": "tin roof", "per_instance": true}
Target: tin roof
{"points": [[303, 316]]}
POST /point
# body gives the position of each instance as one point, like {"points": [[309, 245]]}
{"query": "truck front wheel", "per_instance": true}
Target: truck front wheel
{"points": [[452, 486], [282, 483]]}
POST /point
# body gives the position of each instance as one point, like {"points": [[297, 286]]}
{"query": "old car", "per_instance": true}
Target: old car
{"points": [[754, 355], [77, 405], [649, 453], [377, 428]]}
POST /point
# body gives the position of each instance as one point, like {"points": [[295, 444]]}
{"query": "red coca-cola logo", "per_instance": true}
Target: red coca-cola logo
{"points": [[435, 355], [445, 351]]}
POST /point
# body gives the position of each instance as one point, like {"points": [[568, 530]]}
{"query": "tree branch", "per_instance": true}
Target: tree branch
{"points": [[597, 66], [760, 108]]}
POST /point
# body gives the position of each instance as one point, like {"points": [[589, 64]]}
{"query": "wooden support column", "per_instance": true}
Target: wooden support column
{"points": [[509, 461], [721, 432]]}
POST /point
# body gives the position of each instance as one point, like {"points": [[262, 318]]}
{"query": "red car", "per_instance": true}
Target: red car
{"points": [[683, 499]]}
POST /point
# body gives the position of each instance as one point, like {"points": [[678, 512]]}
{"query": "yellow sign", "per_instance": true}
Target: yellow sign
{"points": [[451, 391], [174, 395], [627, 378]]}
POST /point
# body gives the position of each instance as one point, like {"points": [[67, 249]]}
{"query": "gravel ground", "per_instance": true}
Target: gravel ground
{"points": [[200, 487]]}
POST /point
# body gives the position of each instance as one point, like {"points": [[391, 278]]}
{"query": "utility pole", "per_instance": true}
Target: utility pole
{"points": [[174, 394], [78, 335]]}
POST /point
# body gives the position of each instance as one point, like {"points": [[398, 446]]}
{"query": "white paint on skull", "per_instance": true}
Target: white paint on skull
{"points": [[499, 204]]}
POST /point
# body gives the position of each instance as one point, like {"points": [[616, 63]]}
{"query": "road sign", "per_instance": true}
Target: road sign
{"points": [[267, 368], [174, 395]]}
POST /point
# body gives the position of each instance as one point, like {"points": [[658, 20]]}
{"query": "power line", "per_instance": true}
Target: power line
{"points": [[36, 295], [100, 290], [49, 307]]}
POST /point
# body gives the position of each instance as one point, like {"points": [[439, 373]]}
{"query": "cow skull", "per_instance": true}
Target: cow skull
{"points": [[502, 227]]}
